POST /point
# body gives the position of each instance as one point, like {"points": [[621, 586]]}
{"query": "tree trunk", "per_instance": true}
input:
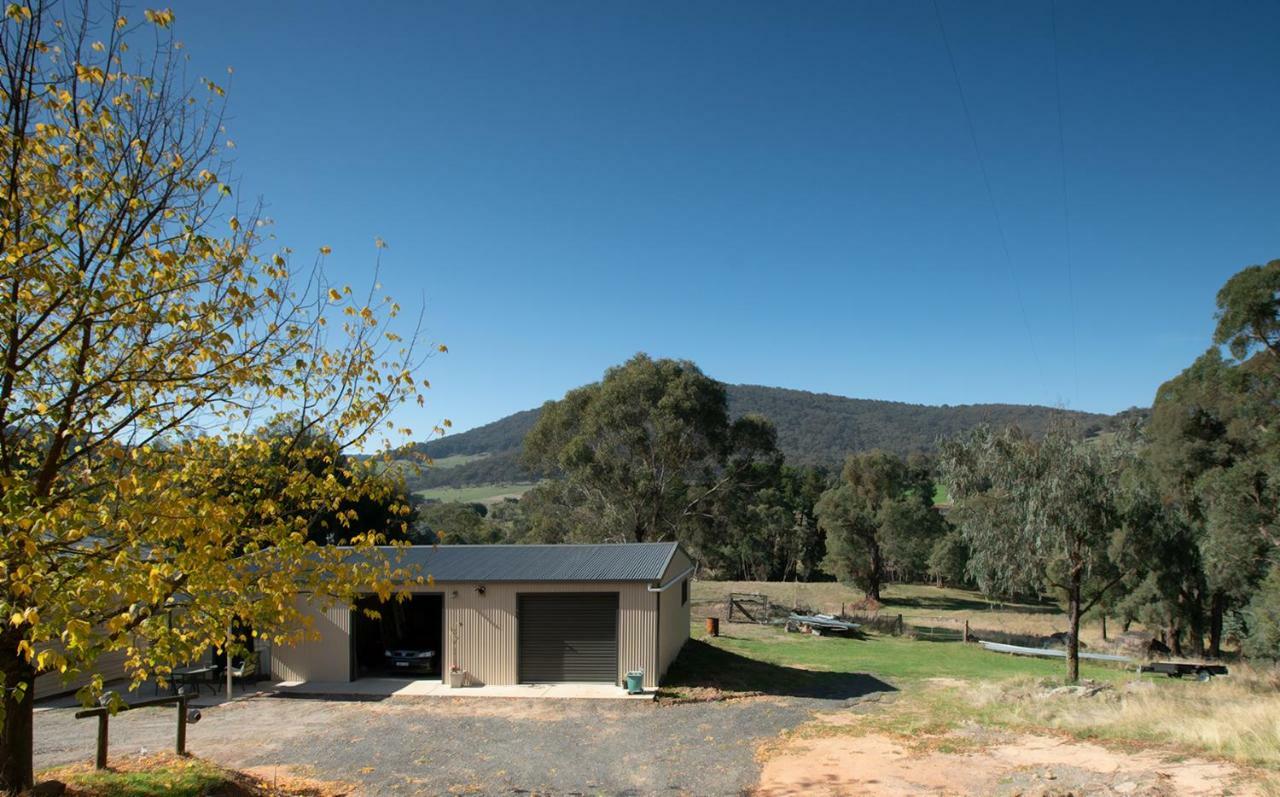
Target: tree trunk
{"points": [[1104, 626], [1216, 610], [1175, 639], [877, 573], [1195, 636], [1073, 635], [16, 736]]}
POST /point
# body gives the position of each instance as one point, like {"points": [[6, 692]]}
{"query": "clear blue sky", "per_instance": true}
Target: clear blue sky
{"points": [[785, 193]]}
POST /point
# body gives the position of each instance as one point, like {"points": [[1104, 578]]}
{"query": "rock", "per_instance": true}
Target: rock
{"points": [[48, 788], [1128, 787]]}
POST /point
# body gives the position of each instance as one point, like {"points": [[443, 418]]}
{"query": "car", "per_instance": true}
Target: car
{"points": [[411, 660]]}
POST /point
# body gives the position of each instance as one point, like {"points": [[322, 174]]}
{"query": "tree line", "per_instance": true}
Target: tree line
{"points": [[1167, 520]]}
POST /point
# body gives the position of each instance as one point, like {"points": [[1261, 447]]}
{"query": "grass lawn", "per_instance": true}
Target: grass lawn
{"points": [[896, 660], [167, 775], [481, 493]]}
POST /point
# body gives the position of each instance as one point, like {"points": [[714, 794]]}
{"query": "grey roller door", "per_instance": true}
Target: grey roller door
{"points": [[571, 636]]}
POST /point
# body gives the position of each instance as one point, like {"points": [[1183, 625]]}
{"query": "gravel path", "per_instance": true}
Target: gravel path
{"points": [[461, 745]]}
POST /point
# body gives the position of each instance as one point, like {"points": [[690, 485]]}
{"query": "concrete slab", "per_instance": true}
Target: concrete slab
{"points": [[376, 688]]}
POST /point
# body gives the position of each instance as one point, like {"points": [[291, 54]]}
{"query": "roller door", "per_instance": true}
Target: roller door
{"points": [[568, 637]]}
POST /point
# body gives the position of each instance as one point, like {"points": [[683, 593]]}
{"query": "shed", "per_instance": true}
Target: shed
{"points": [[510, 614]]}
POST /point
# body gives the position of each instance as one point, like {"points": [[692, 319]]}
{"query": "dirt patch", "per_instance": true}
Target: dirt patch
{"points": [[877, 765]]}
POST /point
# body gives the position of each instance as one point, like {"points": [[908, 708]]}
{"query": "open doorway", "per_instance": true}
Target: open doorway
{"points": [[406, 640]]}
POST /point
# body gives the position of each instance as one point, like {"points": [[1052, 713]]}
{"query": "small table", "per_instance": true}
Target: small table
{"points": [[199, 675]]}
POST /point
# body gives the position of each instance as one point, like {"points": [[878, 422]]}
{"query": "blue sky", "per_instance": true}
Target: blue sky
{"points": [[785, 193]]}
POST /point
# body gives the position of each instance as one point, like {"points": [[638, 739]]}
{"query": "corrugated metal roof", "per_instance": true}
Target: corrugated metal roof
{"points": [[644, 561]]}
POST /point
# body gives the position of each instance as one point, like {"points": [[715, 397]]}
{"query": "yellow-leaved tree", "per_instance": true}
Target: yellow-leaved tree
{"points": [[172, 393]]}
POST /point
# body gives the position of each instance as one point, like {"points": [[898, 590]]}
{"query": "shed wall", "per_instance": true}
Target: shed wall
{"points": [[325, 659], [110, 665], [487, 642], [480, 633], [673, 626]]}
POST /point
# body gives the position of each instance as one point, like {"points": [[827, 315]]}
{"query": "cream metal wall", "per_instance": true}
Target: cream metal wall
{"points": [[481, 633], [673, 614], [325, 659], [110, 665]]}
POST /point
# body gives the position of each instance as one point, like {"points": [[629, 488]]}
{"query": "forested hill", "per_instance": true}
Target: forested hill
{"points": [[813, 428], [820, 429]]}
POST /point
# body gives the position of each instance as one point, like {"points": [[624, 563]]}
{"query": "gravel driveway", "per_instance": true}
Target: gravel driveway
{"points": [[468, 745]]}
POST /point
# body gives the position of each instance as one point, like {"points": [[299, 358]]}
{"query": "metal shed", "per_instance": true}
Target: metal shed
{"points": [[514, 614]]}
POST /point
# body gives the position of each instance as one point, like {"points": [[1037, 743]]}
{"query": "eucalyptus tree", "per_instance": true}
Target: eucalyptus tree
{"points": [[881, 512], [1037, 514], [644, 454]]}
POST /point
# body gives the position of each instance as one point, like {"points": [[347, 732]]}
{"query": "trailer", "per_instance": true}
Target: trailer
{"points": [[819, 624], [1177, 669]]}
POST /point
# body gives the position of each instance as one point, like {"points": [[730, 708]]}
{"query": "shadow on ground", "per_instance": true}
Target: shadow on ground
{"points": [[704, 666]]}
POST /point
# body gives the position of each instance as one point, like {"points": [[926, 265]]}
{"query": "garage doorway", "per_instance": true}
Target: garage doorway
{"points": [[569, 637], [405, 641]]}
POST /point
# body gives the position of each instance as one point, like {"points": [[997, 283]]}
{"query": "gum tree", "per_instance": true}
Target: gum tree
{"points": [[147, 340], [1038, 513]]}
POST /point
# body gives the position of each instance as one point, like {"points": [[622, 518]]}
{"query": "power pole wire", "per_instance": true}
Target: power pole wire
{"points": [[1066, 207], [995, 209]]}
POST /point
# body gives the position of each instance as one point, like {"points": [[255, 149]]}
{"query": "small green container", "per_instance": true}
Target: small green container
{"points": [[635, 682]]}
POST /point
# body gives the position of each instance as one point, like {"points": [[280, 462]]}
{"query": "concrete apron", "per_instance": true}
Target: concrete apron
{"points": [[376, 688]]}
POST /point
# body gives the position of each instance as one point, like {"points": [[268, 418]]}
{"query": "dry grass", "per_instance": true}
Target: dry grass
{"points": [[1236, 717], [919, 605]]}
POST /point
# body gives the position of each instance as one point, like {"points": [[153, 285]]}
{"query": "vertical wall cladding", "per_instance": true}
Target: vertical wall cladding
{"points": [[673, 611], [673, 626], [325, 659], [481, 628], [109, 665]]}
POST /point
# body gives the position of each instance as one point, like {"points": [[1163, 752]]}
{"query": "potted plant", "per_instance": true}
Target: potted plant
{"points": [[457, 677]]}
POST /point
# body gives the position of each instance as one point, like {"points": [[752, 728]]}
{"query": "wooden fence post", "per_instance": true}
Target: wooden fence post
{"points": [[966, 630], [899, 625]]}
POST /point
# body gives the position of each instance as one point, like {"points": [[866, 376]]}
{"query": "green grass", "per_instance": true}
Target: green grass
{"points": [[187, 778], [940, 494], [890, 658], [480, 493], [454, 460]]}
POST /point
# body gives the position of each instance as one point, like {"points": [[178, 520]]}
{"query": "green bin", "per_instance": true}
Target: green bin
{"points": [[635, 682]]}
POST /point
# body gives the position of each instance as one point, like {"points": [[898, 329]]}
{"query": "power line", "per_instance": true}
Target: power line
{"points": [[1066, 206], [991, 197]]}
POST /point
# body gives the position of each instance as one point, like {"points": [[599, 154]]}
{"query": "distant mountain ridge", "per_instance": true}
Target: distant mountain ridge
{"points": [[813, 429]]}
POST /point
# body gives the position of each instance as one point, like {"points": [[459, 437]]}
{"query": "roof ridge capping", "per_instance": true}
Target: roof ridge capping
{"points": [[545, 562]]}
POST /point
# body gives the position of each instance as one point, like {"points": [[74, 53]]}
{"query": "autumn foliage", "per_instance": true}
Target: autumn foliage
{"points": [[164, 371]]}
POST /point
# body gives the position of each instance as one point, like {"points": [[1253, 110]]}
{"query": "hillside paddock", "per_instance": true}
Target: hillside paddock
{"points": [[962, 720], [925, 607]]}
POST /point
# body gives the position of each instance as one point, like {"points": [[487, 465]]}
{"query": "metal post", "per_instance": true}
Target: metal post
{"points": [[230, 682], [180, 747], [101, 761]]}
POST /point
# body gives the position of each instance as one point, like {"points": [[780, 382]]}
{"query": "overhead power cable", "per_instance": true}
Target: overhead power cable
{"points": [[991, 197], [1066, 206]]}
